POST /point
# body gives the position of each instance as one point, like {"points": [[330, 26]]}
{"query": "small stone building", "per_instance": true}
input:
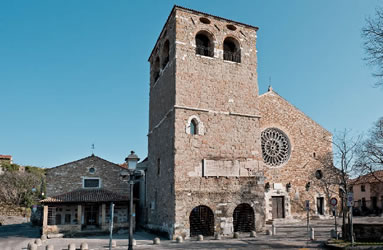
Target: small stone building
{"points": [[79, 197], [221, 157]]}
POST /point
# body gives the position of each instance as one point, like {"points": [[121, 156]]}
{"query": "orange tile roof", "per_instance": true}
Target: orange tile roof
{"points": [[374, 177], [6, 157], [86, 195]]}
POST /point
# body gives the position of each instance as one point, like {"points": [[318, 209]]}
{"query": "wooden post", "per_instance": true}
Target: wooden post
{"points": [[45, 219], [79, 216]]}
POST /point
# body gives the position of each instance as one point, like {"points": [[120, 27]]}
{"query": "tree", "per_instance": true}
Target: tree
{"points": [[371, 152], [372, 34], [21, 188], [338, 167]]}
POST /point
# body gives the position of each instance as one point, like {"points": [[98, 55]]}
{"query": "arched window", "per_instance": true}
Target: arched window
{"points": [[204, 44], [231, 50], [193, 127], [156, 69], [165, 54]]}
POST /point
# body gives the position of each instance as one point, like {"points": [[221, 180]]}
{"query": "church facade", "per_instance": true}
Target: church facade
{"points": [[221, 157]]}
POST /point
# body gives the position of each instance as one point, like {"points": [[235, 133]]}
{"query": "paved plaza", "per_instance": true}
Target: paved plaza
{"points": [[289, 235], [292, 235]]}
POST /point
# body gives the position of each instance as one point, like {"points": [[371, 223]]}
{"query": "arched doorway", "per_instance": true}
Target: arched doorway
{"points": [[201, 221], [243, 218]]}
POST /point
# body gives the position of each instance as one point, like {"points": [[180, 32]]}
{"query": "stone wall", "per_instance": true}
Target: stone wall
{"points": [[220, 95], [69, 177], [309, 143]]}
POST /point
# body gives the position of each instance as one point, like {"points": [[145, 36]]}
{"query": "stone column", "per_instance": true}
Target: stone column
{"points": [[79, 215], [45, 219], [103, 217]]}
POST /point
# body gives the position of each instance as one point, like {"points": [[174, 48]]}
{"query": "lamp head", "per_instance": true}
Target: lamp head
{"points": [[132, 160]]}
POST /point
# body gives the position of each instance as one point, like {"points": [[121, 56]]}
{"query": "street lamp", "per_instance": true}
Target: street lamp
{"points": [[131, 161]]}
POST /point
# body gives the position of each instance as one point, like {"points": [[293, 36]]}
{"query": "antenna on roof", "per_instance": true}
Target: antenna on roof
{"points": [[270, 88], [92, 147]]}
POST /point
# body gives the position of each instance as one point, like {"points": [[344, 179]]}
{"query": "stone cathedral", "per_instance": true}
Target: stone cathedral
{"points": [[221, 157]]}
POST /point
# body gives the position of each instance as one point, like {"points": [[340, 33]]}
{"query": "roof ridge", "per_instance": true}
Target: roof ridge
{"points": [[295, 107]]}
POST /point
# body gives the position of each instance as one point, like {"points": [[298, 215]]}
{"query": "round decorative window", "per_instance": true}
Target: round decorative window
{"points": [[275, 147], [92, 170]]}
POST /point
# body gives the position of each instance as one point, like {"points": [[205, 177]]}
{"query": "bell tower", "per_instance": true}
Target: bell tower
{"points": [[204, 138]]}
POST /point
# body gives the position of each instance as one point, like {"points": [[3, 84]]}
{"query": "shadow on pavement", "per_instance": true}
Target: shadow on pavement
{"points": [[24, 230]]}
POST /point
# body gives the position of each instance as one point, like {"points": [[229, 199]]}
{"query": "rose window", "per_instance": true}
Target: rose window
{"points": [[275, 147]]}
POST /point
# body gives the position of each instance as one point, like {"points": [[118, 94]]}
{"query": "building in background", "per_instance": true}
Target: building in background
{"points": [[5, 159], [368, 193]]}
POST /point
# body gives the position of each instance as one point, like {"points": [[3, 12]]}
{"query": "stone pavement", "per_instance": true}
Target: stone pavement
{"points": [[290, 235]]}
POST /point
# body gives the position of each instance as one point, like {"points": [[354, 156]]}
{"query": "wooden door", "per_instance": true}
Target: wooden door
{"points": [[278, 207], [320, 205], [91, 215]]}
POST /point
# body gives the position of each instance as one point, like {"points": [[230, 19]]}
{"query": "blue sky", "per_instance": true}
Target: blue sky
{"points": [[74, 73]]}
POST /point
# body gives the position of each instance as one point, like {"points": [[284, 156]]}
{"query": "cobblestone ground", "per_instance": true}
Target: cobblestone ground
{"points": [[289, 235]]}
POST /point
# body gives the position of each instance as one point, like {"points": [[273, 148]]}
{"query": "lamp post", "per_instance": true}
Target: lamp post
{"points": [[131, 161]]}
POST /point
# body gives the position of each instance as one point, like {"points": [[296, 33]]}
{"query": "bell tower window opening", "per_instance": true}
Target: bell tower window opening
{"points": [[231, 50], [193, 127], [165, 54], [156, 69], [204, 44]]}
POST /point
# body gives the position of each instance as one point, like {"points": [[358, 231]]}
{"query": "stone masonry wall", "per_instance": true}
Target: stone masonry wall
{"points": [[309, 142], [160, 183], [69, 177], [221, 94]]}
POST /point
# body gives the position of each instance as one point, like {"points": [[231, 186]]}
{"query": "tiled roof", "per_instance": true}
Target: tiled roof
{"points": [[6, 157], [86, 195], [373, 177], [88, 158]]}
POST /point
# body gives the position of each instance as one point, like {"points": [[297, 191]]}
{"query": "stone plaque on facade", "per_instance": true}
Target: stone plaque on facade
{"points": [[229, 168]]}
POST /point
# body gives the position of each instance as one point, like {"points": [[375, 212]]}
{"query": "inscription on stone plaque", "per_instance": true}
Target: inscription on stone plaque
{"points": [[233, 168]]}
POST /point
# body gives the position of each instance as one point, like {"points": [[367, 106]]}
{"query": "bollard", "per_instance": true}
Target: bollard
{"points": [[273, 230], [33, 246], [236, 235], [29, 244], [179, 239], [84, 246], [217, 236], [38, 242], [134, 242], [43, 238], [50, 247], [312, 233], [156, 241], [72, 246], [253, 234], [200, 237], [114, 243]]}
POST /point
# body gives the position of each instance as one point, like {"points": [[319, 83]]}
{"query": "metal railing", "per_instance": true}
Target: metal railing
{"points": [[205, 51], [232, 56]]}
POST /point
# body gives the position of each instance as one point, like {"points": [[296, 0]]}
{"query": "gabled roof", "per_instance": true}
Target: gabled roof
{"points": [[86, 195], [87, 158], [374, 177], [271, 92]]}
